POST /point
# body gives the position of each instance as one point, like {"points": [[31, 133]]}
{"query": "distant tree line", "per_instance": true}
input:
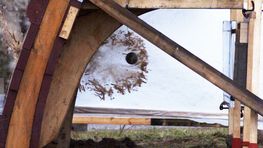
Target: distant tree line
{"points": [[13, 26]]}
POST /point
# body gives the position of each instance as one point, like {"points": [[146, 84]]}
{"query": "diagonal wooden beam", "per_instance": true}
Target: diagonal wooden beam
{"points": [[176, 4], [180, 53]]}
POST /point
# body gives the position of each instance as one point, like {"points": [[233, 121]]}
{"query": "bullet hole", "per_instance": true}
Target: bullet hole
{"points": [[132, 58]]}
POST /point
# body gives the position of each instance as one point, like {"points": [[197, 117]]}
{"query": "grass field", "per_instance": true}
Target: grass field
{"points": [[158, 138], [162, 137]]}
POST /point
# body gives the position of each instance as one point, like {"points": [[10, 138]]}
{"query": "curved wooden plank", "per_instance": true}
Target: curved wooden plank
{"points": [[35, 6], [87, 35], [19, 132]]}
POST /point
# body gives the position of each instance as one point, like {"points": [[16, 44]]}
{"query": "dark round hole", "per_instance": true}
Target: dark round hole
{"points": [[131, 58]]}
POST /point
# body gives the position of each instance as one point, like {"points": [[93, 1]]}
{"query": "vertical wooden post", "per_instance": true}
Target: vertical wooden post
{"points": [[254, 36], [240, 74], [239, 77]]}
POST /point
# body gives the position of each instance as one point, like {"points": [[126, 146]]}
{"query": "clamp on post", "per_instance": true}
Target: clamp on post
{"points": [[224, 105], [246, 12], [242, 111]]}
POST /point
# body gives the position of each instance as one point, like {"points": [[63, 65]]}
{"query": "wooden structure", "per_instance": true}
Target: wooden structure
{"points": [[59, 45]]}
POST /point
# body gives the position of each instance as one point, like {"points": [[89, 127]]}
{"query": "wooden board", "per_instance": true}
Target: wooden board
{"points": [[83, 119], [111, 120], [87, 35], [195, 4], [20, 127], [68, 24]]}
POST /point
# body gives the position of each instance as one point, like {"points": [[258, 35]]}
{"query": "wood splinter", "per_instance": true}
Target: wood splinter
{"points": [[68, 24]]}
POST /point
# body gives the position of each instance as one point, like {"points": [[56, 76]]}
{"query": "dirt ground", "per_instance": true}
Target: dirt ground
{"points": [[104, 143], [128, 143]]}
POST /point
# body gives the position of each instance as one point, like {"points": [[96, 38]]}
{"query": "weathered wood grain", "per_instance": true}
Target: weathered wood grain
{"points": [[111, 120]]}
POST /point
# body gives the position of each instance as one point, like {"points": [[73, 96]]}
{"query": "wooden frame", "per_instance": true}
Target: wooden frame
{"points": [[32, 117]]}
